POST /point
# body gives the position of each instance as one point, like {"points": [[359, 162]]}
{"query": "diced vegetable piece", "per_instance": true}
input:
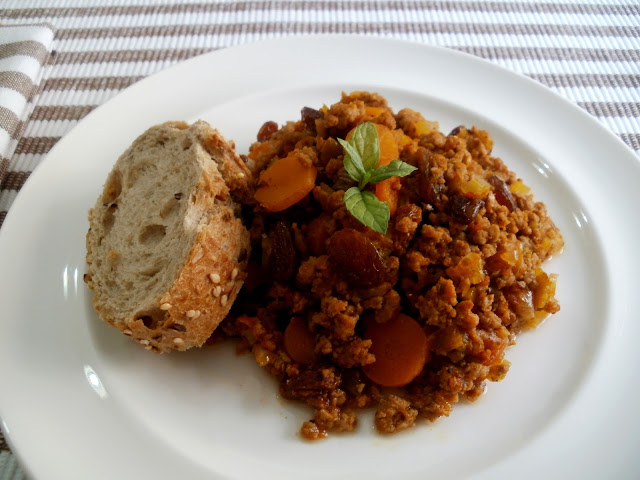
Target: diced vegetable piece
{"points": [[286, 182], [299, 342], [519, 188], [509, 255], [545, 289], [401, 350], [373, 111], [471, 267], [424, 127], [476, 187]]}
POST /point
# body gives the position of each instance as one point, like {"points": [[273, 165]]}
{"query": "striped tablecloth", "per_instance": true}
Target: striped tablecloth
{"points": [[588, 51]]}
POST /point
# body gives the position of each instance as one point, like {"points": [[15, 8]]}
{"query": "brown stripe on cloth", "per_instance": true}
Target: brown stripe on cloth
{"points": [[10, 122], [35, 145], [50, 112], [4, 168], [104, 56], [579, 54], [17, 81], [29, 48], [351, 27], [612, 109], [14, 180], [587, 80], [3, 215], [587, 9], [89, 83]]}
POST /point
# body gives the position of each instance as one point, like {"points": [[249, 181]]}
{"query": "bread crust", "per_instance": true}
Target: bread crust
{"points": [[214, 268]]}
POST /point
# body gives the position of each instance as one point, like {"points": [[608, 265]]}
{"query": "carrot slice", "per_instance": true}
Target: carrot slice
{"points": [[299, 342], [286, 182], [401, 350], [388, 145], [388, 191]]}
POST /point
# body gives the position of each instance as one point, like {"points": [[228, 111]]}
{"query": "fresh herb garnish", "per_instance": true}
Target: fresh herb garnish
{"points": [[362, 155]]}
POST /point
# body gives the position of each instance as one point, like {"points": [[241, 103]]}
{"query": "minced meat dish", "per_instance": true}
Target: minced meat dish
{"points": [[406, 322]]}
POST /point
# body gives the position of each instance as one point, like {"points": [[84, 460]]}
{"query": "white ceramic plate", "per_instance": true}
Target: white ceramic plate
{"points": [[78, 400]]}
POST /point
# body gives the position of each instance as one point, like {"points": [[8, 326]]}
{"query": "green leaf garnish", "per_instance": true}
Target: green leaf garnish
{"points": [[352, 161], [367, 144], [395, 169], [366, 207], [362, 155]]}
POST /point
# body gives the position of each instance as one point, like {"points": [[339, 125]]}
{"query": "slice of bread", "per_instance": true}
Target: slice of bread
{"points": [[166, 249]]}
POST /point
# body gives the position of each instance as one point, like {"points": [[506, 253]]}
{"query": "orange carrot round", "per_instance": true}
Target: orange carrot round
{"points": [[401, 350], [286, 182], [299, 342], [387, 191]]}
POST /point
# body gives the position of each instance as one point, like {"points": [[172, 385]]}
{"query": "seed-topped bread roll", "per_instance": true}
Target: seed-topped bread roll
{"points": [[166, 248]]}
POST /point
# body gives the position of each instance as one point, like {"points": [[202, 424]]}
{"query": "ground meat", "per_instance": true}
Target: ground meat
{"points": [[462, 257], [394, 414]]}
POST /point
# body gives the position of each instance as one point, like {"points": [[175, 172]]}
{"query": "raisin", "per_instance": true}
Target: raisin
{"points": [[457, 130], [309, 117], [267, 129], [502, 192], [283, 258], [463, 209], [355, 259]]}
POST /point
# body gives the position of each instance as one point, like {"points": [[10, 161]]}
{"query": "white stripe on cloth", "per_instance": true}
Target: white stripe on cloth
{"points": [[13, 100], [21, 33], [21, 63]]}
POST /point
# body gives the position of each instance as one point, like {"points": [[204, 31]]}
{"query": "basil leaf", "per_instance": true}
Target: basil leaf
{"points": [[366, 142], [367, 209], [396, 168], [352, 161]]}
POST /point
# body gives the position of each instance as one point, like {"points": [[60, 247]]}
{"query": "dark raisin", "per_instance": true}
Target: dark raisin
{"points": [[457, 130], [520, 301], [463, 209], [355, 259], [283, 259], [309, 117], [502, 192], [268, 129]]}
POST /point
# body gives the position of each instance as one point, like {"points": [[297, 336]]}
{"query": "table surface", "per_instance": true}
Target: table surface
{"points": [[587, 51]]}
